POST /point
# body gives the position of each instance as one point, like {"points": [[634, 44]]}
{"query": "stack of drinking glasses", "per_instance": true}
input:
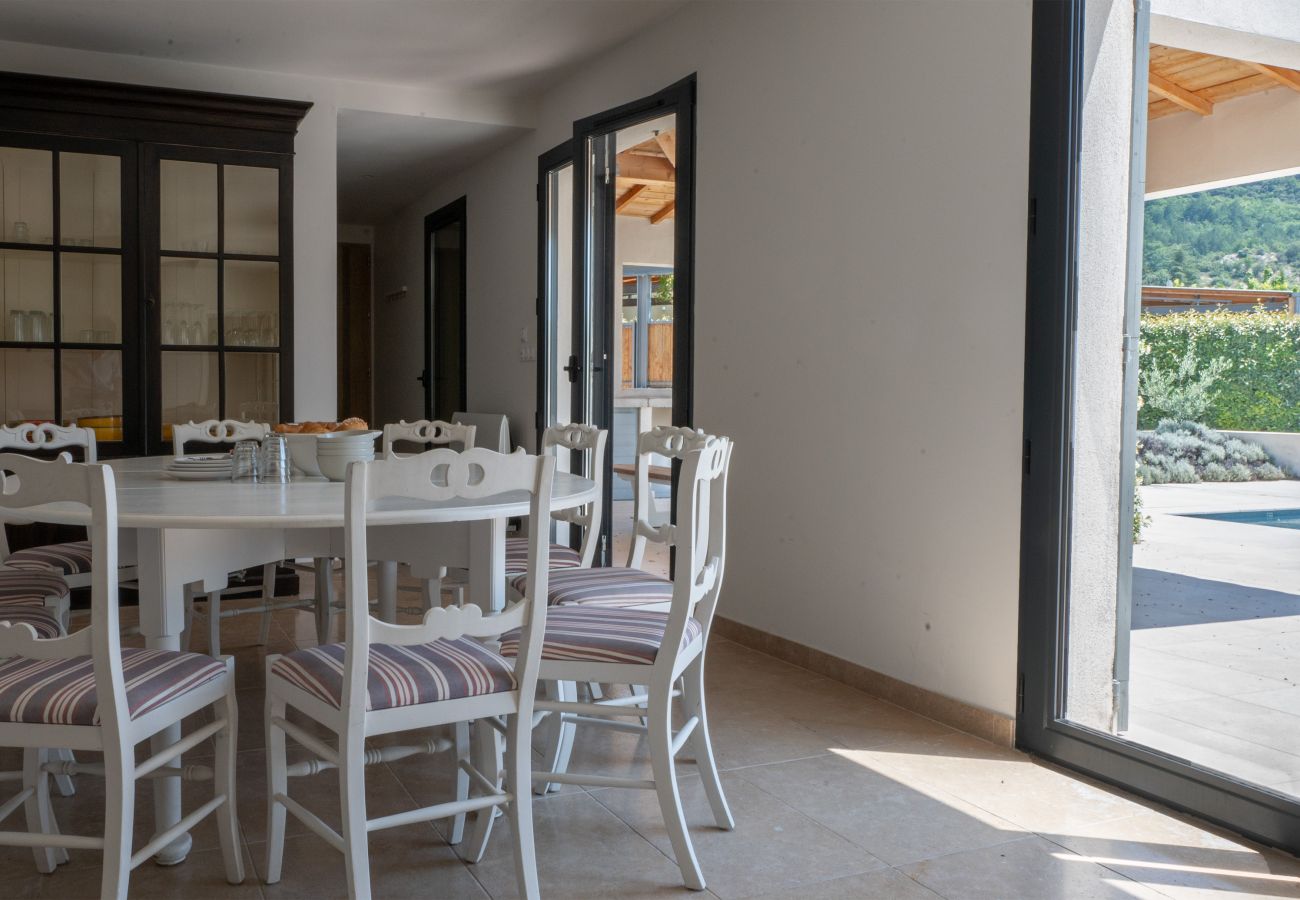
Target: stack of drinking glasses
{"points": [[268, 464]]}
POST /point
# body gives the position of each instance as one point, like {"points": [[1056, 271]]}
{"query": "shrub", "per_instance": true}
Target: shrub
{"points": [[1188, 453], [1242, 369]]}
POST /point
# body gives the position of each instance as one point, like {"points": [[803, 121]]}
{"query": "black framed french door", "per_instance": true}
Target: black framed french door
{"points": [[446, 255], [632, 167], [1050, 653]]}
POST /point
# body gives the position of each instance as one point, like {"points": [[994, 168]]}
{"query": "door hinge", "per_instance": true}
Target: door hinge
{"points": [[1020, 693], [1026, 457], [1033, 215], [539, 192]]}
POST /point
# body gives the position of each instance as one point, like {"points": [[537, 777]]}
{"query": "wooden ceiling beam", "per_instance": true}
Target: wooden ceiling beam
{"points": [[668, 144], [628, 196], [646, 169], [1288, 77], [664, 212], [1180, 95]]}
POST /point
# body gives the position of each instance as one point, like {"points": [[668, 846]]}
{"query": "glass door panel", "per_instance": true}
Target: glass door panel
{"points": [[27, 295], [191, 387], [92, 390], [252, 303], [28, 385], [252, 203], [188, 211], [253, 386], [90, 290], [90, 200], [189, 301], [26, 195]]}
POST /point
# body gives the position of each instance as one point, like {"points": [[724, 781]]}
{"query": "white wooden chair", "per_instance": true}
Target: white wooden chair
{"points": [[562, 439], [390, 678], [227, 431], [70, 559], [428, 434], [604, 639], [85, 691]]}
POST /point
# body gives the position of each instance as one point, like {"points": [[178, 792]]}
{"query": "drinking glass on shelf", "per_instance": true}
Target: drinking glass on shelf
{"points": [[17, 325], [36, 325], [244, 465], [196, 324], [169, 331], [21, 234]]}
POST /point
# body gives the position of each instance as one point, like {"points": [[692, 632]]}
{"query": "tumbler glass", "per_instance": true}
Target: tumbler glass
{"points": [[244, 466], [273, 464]]}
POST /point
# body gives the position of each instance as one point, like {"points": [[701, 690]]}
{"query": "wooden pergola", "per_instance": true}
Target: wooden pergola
{"points": [[647, 178], [1187, 81]]}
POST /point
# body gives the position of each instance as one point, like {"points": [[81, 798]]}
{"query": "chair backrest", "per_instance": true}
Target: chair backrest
{"points": [[664, 441], [27, 483], [582, 438], [700, 532], [48, 436], [491, 430], [428, 432], [216, 431], [439, 476]]}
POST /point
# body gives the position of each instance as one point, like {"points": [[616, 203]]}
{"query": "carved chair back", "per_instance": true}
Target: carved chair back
{"points": [[48, 436], [26, 483], [428, 432], [590, 440], [216, 431], [438, 476]]}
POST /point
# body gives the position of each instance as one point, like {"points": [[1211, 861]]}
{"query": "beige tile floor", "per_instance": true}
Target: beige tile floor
{"points": [[836, 795]]}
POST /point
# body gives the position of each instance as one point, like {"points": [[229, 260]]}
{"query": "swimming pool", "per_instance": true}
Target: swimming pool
{"points": [[1275, 518]]}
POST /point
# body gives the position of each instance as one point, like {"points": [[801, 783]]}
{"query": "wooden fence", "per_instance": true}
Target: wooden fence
{"points": [[659, 365], [1157, 299]]}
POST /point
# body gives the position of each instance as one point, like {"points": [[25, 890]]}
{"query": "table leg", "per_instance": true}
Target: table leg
{"points": [[487, 564], [162, 618], [386, 582]]}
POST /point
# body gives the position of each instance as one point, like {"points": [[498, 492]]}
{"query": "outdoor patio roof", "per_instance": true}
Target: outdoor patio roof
{"points": [[647, 178], [1188, 81]]}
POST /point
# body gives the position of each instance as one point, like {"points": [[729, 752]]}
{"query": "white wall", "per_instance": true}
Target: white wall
{"points": [[860, 259], [315, 273]]}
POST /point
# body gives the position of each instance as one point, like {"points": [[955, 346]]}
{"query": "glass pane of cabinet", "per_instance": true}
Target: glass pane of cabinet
{"points": [[27, 295], [191, 387], [90, 295], [253, 386], [188, 206], [27, 195], [90, 200], [92, 391], [252, 303], [189, 301], [252, 206], [27, 385]]}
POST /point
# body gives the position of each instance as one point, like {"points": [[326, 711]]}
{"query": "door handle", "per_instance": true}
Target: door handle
{"points": [[423, 378], [574, 368]]}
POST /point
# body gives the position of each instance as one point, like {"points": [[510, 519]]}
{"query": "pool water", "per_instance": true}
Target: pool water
{"points": [[1276, 518]]}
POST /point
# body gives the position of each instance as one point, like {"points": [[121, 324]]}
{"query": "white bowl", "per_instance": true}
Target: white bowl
{"points": [[302, 453], [335, 468]]}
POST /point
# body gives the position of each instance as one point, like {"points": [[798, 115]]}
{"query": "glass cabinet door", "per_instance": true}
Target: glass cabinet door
{"points": [[220, 285], [64, 276]]}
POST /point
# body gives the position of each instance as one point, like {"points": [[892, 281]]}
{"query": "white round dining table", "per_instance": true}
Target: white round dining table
{"points": [[181, 533]]}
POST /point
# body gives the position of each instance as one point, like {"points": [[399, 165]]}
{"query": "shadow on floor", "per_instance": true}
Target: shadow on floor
{"points": [[1162, 599]]}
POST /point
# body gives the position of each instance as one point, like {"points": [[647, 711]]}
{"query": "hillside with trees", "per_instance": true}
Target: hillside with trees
{"points": [[1245, 236]]}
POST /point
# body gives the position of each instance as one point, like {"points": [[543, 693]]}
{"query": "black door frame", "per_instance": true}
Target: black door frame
{"points": [[1041, 726], [557, 157], [453, 213], [599, 252]]}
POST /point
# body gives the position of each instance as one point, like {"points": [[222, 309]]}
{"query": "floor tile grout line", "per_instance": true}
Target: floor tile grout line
{"points": [[1107, 867]]}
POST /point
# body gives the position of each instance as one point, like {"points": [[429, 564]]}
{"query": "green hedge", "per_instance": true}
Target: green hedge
{"points": [[1258, 387]]}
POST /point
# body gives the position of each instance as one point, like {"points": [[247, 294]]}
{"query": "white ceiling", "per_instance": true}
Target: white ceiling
{"points": [[515, 46], [385, 161]]}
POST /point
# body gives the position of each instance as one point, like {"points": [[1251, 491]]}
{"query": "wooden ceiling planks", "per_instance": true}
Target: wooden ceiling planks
{"points": [[646, 182], [1187, 81]]}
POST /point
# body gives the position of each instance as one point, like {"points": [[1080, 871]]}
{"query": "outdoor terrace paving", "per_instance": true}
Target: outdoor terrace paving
{"points": [[1216, 632]]}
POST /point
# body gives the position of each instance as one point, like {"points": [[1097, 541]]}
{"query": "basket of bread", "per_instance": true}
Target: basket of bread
{"points": [[326, 448]]}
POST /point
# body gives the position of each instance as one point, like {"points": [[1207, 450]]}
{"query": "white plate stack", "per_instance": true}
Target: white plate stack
{"points": [[205, 467], [338, 448]]}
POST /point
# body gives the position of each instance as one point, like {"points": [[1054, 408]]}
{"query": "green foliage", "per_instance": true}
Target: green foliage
{"points": [[1139, 520], [663, 291], [1245, 236], [1245, 367], [1181, 452]]}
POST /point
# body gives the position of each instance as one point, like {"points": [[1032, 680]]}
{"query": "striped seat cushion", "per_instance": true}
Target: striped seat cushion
{"points": [[30, 587], [562, 557], [610, 586], [45, 623], [62, 691], [71, 559], [401, 675], [593, 634]]}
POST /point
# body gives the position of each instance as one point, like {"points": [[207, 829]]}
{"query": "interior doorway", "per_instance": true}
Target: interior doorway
{"points": [[355, 370], [445, 299]]}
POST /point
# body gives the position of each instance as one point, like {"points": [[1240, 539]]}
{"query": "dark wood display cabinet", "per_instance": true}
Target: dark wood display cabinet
{"points": [[146, 257]]}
